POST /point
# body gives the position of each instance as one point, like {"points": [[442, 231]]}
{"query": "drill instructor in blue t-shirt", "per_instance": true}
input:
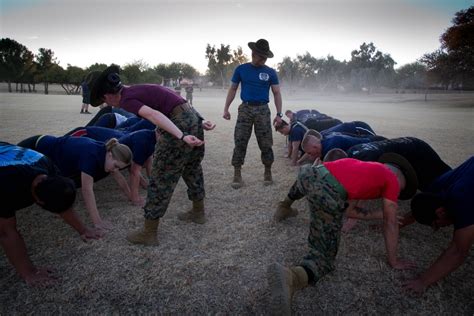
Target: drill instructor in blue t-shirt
{"points": [[256, 79]]}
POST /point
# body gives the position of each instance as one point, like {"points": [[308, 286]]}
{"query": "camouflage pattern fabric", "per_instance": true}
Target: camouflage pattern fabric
{"points": [[259, 117], [326, 208], [173, 159]]}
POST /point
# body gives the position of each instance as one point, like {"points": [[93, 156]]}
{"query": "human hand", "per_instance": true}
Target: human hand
{"points": [[400, 264], [193, 141], [415, 286], [92, 233], [103, 225], [226, 115], [208, 125], [276, 120], [40, 277]]}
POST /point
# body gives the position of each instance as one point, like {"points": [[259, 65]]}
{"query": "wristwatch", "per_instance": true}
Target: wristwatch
{"points": [[280, 114]]}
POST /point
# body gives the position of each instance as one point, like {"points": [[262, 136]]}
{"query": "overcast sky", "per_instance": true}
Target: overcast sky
{"points": [[159, 31]]}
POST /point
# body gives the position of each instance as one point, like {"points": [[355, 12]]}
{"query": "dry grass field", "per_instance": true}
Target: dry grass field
{"points": [[219, 267]]}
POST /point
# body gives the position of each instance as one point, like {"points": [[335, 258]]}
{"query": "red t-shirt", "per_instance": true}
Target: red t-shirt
{"points": [[365, 180], [155, 96]]}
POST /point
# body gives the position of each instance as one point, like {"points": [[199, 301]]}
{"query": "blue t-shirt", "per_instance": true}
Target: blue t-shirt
{"points": [[74, 155], [297, 132], [456, 188], [141, 124], [256, 82], [141, 143], [102, 134], [18, 168], [344, 142], [355, 128]]}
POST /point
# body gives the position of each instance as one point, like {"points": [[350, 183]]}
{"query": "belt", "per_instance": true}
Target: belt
{"points": [[254, 103], [329, 178], [180, 108]]}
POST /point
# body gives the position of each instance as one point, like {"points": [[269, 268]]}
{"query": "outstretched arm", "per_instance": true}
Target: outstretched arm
{"points": [[15, 250], [390, 229], [87, 190], [71, 218], [135, 176], [447, 262], [122, 183], [160, 120]]}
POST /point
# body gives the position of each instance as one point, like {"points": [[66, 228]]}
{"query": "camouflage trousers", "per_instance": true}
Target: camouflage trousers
{"points": [[258, 117], [173, 159], [326, 200]]}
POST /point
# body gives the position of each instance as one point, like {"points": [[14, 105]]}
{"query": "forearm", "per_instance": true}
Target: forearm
{"points": [[135, 177], [391, 239], [91, 206], [294, 157], [278, 101], [71, 218], [449, 261], [15, 250], [165, 123], [119, 178], [230, 97]]}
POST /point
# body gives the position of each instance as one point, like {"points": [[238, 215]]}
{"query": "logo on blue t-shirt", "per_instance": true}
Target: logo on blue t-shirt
{"points": [[11, 155], [263, 76]]}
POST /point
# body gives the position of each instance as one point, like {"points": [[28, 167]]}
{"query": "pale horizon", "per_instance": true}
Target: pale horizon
{"points": [[86, 32]]}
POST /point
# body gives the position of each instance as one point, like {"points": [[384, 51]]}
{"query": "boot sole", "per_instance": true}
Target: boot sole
{"points": [[280, 300]]}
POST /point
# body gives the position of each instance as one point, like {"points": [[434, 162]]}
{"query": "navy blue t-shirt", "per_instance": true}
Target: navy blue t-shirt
{"points": [[424, 160], [141, 124], [74, 155], [141, 143], [355, 128], [297, 132], [256, 82], [456, 188], [344, 142], [102, 134], [18, 168]]}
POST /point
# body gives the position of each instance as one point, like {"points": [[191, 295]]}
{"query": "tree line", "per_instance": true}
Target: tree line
{"points": [[449, 67], [21, 67]]}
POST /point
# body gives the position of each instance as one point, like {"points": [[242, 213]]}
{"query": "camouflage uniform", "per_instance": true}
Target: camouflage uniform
{"points": [[326, 199], [173, 158], [259, 117]]}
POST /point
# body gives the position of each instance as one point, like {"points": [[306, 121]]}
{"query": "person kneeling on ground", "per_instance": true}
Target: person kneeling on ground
{"points": [[28, 177], [449, 200], [328, 187]]}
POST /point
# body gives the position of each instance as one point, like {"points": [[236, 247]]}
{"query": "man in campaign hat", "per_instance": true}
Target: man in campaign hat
{"points": [[256, 79]]}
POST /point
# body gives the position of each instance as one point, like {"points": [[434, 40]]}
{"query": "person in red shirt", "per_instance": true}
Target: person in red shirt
{"points": [[330, 189]]}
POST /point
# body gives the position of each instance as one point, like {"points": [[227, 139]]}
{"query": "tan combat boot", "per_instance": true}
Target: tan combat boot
{"points": [[283, 283], [284, 210], [267, 176], [196, 214], [237, 182], [147, 236]]}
